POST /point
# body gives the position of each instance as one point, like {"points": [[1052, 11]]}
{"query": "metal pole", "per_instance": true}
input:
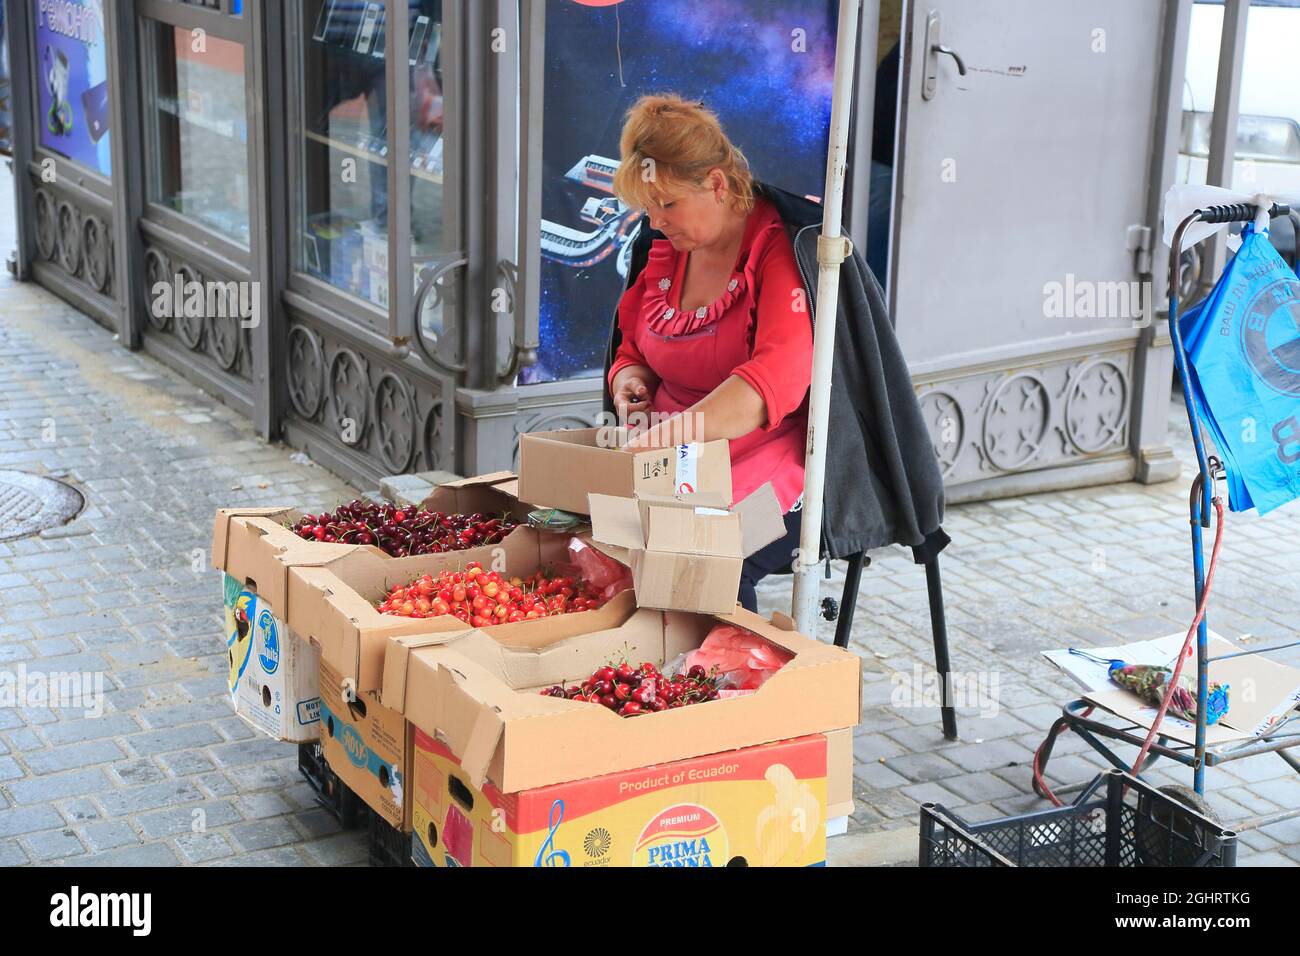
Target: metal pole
{"points": [[832, 249], [1223, 124]]}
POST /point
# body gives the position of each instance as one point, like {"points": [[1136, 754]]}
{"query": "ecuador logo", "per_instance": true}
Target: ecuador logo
{"points": [[683, 835]]}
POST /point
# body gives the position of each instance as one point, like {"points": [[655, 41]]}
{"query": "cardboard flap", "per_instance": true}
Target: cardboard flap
{"points": [[482, 745], [492, 478], [615, 521], [509, 487], [761, 521], [221, 529], [695, 530]]}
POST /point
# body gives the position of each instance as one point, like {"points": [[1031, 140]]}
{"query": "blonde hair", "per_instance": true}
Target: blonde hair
{"points": [[668, 145]]}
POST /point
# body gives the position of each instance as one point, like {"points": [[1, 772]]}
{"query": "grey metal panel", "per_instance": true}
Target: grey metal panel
{"points": [[858, 186], [128, 178], [1153, 363], [398, 80], [1223, 122], [1016, 181], [532, 94], [265, 206], [18, 40]]}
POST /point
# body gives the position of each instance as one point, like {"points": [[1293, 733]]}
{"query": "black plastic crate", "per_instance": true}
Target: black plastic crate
{"points": [[1117, 821], [389, 846], [331, 792]]}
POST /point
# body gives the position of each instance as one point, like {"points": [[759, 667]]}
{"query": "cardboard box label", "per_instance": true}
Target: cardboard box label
{"points": [[685, 479], [760, 806], [272, 674]]}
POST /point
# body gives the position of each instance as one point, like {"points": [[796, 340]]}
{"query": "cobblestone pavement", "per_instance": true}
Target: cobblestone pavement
{"points": [[125, 590]]}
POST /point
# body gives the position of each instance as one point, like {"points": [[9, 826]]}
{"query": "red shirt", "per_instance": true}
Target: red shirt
{"points": [[758, 330]]}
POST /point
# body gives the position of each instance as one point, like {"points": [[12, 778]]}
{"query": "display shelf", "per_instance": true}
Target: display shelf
{"points": [[370, 155]]}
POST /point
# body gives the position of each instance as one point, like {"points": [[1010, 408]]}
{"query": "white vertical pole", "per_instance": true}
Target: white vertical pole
{"points": [[832, 249]]}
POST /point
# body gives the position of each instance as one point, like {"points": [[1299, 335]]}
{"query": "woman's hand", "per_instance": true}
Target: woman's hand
{"points": [[632, 391], [732, 410]]}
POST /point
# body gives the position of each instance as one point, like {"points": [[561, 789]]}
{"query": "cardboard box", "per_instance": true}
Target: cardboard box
{"points": [[480, 696], [273, 676], [686, 551], [549, 461], [367, 746], [760, 806], [254, 546], [333, 605], [839, 773]]}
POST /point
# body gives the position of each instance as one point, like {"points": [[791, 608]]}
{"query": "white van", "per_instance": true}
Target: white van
{"points": [[1268, 128]]}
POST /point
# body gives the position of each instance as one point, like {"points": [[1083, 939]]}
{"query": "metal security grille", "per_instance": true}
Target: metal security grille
{"points": [[30, 503]]}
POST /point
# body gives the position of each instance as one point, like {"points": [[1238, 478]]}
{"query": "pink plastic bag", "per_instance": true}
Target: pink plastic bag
{"points": [[744, 659], [599, 569]]}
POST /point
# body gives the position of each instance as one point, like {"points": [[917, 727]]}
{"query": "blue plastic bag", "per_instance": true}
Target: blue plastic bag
{"points": [[1243, 346]]}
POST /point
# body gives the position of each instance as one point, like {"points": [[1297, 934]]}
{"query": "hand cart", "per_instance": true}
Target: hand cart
{"points": [[1076, 715]]}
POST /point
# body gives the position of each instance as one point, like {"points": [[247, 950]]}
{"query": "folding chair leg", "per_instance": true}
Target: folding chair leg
{"points": [[849, 599], [939, 628]]}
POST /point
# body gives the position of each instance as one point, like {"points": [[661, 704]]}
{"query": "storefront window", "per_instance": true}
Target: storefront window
{"points": [[72, 83], [200, 166], [343, 204]]}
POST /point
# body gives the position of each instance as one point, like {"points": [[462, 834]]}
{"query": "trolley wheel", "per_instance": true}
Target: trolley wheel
{"points": [[1191, 799], [1156, 849]]}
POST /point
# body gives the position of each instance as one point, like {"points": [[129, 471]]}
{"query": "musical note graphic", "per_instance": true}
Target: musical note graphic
{"points": [[547, 855]]}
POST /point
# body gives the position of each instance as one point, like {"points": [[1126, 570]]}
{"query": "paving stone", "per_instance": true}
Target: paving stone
{"points": [[203, 847], [79, 809], [53, 845], [20, 820], [177, 738], [119, 802], [193, 818], [146, 854], [49, 788], [73, 756], [108, 835], [261, 834], [922, 767], [344, 849]]}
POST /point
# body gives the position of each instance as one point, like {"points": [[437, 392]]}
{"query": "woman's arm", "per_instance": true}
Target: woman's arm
{"points": [[732, 410], [632, 387]]}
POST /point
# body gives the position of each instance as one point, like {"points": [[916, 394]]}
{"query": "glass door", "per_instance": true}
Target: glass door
{"points": [[198, 115], [344, 238]]}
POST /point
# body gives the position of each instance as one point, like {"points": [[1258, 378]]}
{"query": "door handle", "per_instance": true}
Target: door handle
{"points": [[934, 48]]}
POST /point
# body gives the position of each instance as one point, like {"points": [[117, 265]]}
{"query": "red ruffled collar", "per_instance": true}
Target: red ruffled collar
{"points": [[661, 275]]}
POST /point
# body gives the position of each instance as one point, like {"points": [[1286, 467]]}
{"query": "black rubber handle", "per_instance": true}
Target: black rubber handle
{"points": [[1239, 212]]}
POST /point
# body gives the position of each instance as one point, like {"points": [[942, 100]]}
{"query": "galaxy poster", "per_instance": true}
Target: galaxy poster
{"points": [[72, 81], [764, 66]]}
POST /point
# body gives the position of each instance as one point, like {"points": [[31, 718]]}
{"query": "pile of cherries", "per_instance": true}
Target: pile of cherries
{"points": [[630, 691], [400, 532], [482, 598]]}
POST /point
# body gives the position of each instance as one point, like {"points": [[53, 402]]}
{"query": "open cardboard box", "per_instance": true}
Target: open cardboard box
{"points": [[685, 551], [548, 462], [254, 547], [367, 746], [480, 696], [333, 605], [758, 806]]}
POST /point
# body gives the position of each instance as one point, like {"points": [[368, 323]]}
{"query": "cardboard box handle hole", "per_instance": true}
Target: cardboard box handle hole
{"points": [[460, 793]]}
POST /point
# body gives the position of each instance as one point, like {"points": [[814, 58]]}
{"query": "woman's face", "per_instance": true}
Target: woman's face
{"points": [[693, 217]]}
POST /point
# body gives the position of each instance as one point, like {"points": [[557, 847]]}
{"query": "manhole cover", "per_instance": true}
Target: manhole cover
{"points": [[30, 504]]}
